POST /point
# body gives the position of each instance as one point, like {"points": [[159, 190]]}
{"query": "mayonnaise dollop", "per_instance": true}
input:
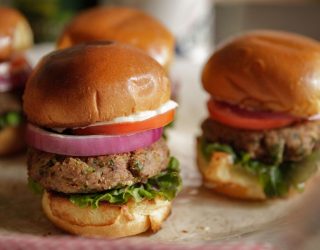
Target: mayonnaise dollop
{"points": [[137, 117]]}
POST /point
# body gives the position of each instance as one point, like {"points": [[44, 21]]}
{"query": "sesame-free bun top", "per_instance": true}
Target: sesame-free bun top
{"points": [[107, 220], [121, 24], [93, 82], [267, 70], [15, 33]]}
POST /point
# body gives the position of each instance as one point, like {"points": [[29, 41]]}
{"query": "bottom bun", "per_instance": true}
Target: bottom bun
{"points": [[11, 140], [220, 174], [109, 221]]}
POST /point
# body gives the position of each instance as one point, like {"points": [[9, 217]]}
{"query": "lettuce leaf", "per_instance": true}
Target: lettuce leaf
{"points": [[272, 177], [276, 178], [35, 186], [165, 185], [11, 118], [166, 128]]}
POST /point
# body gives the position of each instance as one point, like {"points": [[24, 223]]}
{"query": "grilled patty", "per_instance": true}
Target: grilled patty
{"points": [[93, 174], [293, 142]]}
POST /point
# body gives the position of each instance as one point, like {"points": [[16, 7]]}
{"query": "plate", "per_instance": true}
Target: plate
{"points": [[198, 214]]}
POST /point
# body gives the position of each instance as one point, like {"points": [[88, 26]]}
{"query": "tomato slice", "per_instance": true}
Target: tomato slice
{"points": [[128, 127], [236, 117]]}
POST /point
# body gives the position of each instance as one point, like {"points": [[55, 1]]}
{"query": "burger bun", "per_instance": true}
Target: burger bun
{"points": [[107, 221]]}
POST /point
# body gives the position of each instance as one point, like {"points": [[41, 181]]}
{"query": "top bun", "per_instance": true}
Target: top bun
{"points": [[267, 71], [124, 25], [15, 32], [93, 82]]}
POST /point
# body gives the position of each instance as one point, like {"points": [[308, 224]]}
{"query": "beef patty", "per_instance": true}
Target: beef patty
{"points": [[293, 143], [93, 174]]}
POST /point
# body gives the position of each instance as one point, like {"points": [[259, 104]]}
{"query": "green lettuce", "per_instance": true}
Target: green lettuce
{"points": [[35, 186], [12, 118], [166, 128], [165, 185], [272, 177], [277, 177]]}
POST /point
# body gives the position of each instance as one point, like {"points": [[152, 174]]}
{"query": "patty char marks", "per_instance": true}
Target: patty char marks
{"points": [[294, 142], [93, 174]]}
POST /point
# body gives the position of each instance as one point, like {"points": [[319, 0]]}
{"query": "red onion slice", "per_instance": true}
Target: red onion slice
{"points": [[91, 145], [14, 73], [5, 84]]}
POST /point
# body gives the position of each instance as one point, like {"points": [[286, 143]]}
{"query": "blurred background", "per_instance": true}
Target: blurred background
{"points": [[197, 24]]}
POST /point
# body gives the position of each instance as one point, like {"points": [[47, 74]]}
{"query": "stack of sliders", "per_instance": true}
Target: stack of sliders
{"points": [[96, 114], [15, 38], [262, 137], [125, 25]]}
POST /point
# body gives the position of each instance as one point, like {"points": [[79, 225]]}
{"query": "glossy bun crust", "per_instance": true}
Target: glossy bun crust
{"points": [[108, 221], [124, 25], [267, 70], [15, 33], [94, 82]]}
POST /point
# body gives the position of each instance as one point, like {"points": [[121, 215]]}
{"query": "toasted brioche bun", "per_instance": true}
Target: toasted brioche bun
{"points": [[109, 221], [121, 24], [94, 82], [15, 32], [223, 177], [11, 140], [268, 71]]}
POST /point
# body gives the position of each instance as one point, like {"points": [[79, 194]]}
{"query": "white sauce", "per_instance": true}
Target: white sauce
{"points": [[140, 116]]}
